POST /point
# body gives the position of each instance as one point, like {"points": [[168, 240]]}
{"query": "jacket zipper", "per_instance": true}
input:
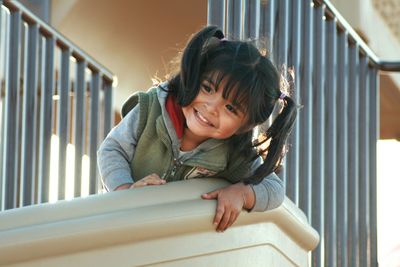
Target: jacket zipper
{"points": [[176, 164]]}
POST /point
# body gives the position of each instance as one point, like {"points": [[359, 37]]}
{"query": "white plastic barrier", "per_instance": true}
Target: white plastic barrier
{"points": [[168, 225]]}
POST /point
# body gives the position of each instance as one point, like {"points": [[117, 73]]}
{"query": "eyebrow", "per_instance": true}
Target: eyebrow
{"points": [[210, 81]]}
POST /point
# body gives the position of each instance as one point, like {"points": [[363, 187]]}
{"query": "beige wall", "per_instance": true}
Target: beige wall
{"points": [[134, 39], [364, 16], [134, 228]]}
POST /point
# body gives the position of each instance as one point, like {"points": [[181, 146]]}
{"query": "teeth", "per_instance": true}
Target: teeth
{"points": [[202, 118]]}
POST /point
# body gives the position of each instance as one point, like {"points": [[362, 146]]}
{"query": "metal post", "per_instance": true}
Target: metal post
{"points": [[79, 134], [2, 109], [234, 19], [342, 152], [251, 28], [292, 185], [283, 32], [10, 152], [28, 159], [306, 112], [108, 109], [283, 46], [318, 152], [364, 163], [330, 141], [216, 13], [269, 11], [353, 162], [46, 119], [93, 135], [373, 138], [63, 122]]}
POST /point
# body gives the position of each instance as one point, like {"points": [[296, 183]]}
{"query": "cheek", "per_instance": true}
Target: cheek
{"points": [[185, 111], [233, 125]]}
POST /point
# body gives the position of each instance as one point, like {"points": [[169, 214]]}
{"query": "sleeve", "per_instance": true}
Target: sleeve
{"points": [[270, 193], [116, 152]]}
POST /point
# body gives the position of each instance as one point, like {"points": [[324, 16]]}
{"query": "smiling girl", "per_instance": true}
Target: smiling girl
{"points": [[200, 124]]}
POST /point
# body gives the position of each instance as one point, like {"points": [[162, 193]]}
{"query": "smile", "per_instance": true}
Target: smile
{"points": [[202, 119]]}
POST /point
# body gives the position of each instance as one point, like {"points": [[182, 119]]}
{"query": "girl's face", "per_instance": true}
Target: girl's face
{"points": [[211, 116]]}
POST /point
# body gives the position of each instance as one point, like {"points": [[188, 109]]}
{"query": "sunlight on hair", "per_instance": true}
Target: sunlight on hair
{"points": [[70, 172]]}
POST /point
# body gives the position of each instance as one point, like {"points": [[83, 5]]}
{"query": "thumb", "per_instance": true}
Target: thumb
{"points": [[211, 195]]}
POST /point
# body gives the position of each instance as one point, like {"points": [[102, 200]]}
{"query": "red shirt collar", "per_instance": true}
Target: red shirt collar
{"points": [[176, 115]]}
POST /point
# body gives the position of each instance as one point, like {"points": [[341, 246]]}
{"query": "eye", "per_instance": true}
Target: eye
{"points": [[207, 89], [231, 108]]}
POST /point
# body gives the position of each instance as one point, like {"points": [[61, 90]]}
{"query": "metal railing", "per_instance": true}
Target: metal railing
{"points": [[330, 169], [41, 101]]}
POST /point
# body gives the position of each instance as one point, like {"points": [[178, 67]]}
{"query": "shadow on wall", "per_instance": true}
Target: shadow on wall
{"points": [[134, 39]]}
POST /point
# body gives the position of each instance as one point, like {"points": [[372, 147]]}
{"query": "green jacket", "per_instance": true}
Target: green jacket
{"points": [[145, 142], [157, 152]]}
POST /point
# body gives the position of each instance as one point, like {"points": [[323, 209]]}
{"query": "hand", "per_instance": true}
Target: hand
{"points": [[231, 200], [152, 179]]}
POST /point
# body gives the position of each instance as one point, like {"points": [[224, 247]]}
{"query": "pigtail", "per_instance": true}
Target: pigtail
{"points": [[185, 85], [276, 135]]}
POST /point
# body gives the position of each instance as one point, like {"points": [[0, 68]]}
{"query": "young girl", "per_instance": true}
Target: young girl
{"points": [[200, 124]]}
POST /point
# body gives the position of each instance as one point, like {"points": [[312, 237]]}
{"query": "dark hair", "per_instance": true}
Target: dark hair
{"points": [[251, 80]]}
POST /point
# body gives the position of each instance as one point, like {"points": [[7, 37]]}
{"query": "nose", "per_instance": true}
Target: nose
{"points": [[213, 105]]}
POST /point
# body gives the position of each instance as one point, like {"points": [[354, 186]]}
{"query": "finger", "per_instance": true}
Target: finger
{"points": [[218, 214], [153, 179], [154, 176], [233, 218], [211, 195], [224, 222], [155, 182], [139, 183]]}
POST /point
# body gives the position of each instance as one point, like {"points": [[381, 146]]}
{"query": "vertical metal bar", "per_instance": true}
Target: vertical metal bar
{"points": [[27, 192], [93, 136], [353, 163], [234, 19], [2, 109], [251, 27], [292, 186], [306, 111], [254, 18], [283, 45], [318, 149], [342, 153], [63, 122], [373, 138], [108, 111], [216, 13], [10, 154], [79, 125], [1, 21], [246, 19], [330, 141], [269, 16], [268, 24], [46, 116], [364, 162], [283, 34]]}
